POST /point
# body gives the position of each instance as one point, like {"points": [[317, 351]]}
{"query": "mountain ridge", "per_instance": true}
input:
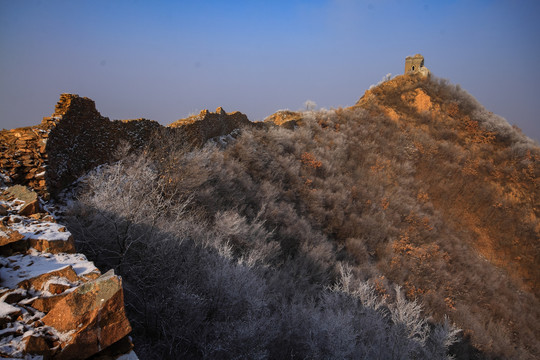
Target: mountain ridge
{"points": [[416, 186]]}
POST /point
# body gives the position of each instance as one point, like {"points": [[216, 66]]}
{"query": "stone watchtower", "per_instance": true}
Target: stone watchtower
{"points": [[415, 64]]}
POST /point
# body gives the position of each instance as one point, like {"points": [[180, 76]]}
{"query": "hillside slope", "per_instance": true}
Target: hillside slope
{"points": [[415, 195], [405, 226], [443, 197], [478, 171]]}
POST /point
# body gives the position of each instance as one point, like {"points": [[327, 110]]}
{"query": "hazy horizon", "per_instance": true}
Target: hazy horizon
{"points": [[164, 60]]}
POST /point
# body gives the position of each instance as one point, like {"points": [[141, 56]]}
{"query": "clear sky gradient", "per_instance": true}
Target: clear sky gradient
{"points": [[163, 60]]}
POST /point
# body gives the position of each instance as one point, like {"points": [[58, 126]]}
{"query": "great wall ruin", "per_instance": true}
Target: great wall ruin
{"points": [[77, 138], [54, 303]]}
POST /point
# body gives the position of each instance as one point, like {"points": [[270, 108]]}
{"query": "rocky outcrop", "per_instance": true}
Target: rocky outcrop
{"points": [[285, 118], [76, 138], [400, 97], [94, 312], [54, 302]]}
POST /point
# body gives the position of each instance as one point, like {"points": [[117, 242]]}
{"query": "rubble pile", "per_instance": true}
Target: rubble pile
{"points": [[54, 303]]}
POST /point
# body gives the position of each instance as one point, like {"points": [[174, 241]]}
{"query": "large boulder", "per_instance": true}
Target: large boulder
{"points": [[94, 314]]}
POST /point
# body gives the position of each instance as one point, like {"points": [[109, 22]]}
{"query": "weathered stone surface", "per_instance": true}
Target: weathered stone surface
{"points": [[53, 246], [37, 282], [197, 129], [95, 311], [72, 148], [30, 208], [90, 276], [22, 193], [8, 236], [419, 100], [46, 303], [285, 118], [11, 241], [37, 345], [8, 313], [415, 65], [56, 288]]}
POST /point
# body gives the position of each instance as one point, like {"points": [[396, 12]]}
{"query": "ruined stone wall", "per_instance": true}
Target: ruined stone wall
{"points": [[285, 118], [76, 138], [23, 155], [73, 140], [198, 129], [81, 139]]}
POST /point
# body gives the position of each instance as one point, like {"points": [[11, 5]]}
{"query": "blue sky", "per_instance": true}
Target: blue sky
{"points": [[166, 59]]}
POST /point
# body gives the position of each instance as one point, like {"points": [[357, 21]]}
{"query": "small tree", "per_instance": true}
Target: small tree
{"points": [[310, 105]]}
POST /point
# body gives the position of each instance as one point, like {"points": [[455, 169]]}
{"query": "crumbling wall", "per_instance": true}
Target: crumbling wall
{"points": [[206, 125], [76, 138], [23, 156], [81, 139]]}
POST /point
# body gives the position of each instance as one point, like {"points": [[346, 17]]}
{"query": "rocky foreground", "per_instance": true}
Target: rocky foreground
{"points": [[54, 303]]}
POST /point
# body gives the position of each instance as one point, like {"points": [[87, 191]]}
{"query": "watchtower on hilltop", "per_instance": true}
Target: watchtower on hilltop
{"points": [[415, 64]]}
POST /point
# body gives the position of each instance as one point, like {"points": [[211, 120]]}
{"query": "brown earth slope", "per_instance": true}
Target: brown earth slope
{"points": [[490, 187], [424, 188]]}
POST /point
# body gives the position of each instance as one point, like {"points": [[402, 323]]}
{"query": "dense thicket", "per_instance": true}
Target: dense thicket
{"points": [[293, 243], [220, 287]]}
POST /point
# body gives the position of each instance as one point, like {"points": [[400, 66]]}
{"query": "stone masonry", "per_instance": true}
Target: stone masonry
{"points": [[415, 65], [76, 138]]}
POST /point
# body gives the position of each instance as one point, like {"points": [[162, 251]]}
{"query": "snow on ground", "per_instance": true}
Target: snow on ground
{"points": [[6, 309], [34, 229], [26, 266], [19, 319], [129, 356]]}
